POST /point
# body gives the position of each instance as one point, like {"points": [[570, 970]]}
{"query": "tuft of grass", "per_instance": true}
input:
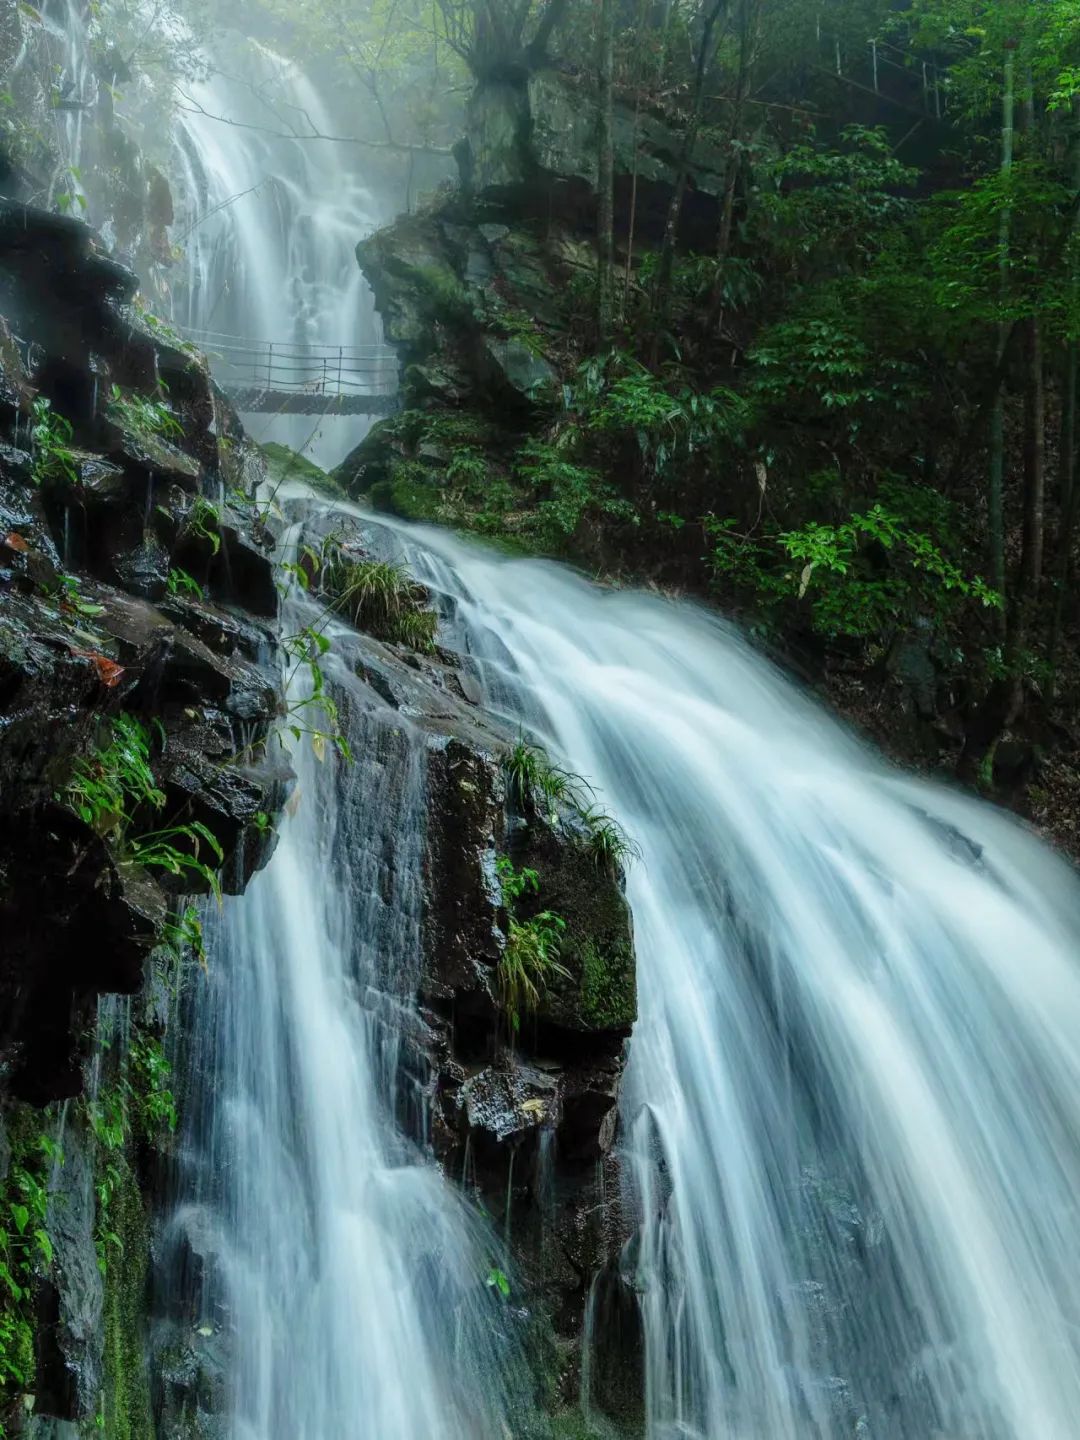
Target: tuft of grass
{"points": [[529, 963], [611, 847], [538, 786], [383, 599], [530, 960], [541, 788]]}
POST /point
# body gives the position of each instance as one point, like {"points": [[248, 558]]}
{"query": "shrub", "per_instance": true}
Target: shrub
{"points": [[566, 493]]}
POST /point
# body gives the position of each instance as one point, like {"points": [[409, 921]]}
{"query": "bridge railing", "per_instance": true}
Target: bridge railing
{"points": [[868, 66], [296, 367]]}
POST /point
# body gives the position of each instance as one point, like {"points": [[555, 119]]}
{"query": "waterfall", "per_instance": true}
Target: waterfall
{"points": [[348, 1277], [269, 225], [851, 1117]]}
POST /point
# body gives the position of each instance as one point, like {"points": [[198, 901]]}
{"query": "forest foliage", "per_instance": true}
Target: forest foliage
{"points": [[843, 401]]}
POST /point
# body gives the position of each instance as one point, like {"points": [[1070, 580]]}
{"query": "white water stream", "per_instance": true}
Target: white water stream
{"points": [[349, 1279], [852, 1110]]}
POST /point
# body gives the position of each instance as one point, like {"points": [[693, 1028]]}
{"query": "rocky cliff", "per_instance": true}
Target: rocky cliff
{"points": [[137, 686], [140, 684]]}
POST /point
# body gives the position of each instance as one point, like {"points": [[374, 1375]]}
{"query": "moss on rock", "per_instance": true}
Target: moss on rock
{"points": [[126, 1406], [283, 464], [608, 990], [599, 993]]}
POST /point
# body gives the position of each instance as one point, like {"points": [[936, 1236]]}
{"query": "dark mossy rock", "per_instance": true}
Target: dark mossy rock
{"points": [[22, 515], [85, 549], [519, 370], [597, 947], [530, 1116], [141, 450], [58, 881]]}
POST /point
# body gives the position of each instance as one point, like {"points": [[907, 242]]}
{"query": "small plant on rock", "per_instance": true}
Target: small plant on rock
{"points": [[610, 846], [530, 960], [50, 439], [538, 786], [543, 789], [109, 786], [204, 521], [24, 1247], [181, 583], [142, 417], [381, 598]]}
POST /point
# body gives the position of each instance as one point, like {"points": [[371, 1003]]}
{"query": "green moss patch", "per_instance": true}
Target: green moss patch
{"points": [[284, 464], [126, 1406]]}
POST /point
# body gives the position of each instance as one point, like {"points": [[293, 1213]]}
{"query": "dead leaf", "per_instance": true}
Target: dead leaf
{"points": [[109, 672], [762, 473], [804, 579], [14, 541]]}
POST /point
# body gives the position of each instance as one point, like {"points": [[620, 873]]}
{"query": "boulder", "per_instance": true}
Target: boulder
{"points": [[519, 370]]}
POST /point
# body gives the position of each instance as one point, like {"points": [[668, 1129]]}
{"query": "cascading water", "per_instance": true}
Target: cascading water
{"points": [[348, 1275], [269, 226], [852, 1109]]}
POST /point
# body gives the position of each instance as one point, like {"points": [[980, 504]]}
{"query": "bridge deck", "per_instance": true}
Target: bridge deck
{"points": [[309, 402]]}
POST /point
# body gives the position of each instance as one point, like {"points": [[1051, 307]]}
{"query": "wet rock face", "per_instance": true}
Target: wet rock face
{"points": [[126, 588], [526, 1119]]}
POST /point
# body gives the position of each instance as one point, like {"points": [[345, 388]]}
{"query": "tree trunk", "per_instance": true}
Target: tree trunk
{"points": [[1005, 698], [997, 427], [1070, 481], [605, 196], [1031, 562], [666, 265], [749, 15]]}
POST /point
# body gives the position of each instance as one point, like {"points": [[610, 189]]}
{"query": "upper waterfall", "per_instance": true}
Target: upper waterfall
{"points": [[269, 221]]}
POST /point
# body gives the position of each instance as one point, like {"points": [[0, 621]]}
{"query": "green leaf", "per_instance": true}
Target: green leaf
{"points": [[497, 1280]]}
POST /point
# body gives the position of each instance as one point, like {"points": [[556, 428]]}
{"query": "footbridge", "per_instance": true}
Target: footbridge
{"points": [[290, 377]]}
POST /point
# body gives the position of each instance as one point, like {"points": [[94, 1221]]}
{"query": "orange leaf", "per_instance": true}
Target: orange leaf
{"points": [[14, 541], [109, 671]]}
